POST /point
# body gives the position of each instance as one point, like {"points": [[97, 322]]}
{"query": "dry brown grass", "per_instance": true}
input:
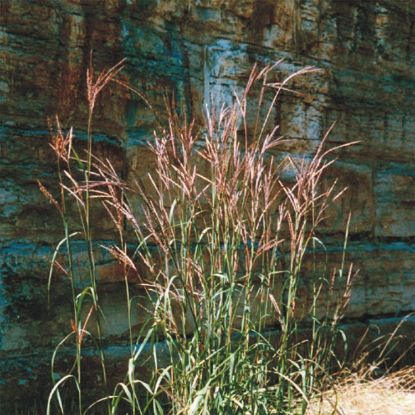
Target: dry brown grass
{"points": [[393, 394]]}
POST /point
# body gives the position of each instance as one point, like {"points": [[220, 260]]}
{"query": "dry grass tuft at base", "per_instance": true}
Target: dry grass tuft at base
{"points": [[389, 395]]}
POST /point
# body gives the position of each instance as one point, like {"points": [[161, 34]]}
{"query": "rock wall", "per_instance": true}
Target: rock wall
{"points": [[195, 49]]}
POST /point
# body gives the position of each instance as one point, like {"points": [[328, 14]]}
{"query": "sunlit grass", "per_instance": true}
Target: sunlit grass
{"points": [[220, 237]]}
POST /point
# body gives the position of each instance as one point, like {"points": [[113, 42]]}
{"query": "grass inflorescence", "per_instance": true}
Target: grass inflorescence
{"points": [[217, 235]]}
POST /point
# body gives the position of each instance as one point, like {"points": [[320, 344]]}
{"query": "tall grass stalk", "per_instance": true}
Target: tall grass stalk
{"points": [[71, 167], [221, 237]]}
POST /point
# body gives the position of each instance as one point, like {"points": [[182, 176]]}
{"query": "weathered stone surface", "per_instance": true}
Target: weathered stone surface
{"points": [[202, 51], [357, 199], [394, 189]]}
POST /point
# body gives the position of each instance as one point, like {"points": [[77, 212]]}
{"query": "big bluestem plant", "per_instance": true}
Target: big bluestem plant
{"points": [[217, 237]]}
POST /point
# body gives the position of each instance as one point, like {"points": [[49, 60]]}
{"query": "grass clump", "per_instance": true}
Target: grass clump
{"points": [[216, 235], [391, 394]]}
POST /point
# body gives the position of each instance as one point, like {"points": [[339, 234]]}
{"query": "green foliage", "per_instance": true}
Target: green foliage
{"points": [[221, 238]]}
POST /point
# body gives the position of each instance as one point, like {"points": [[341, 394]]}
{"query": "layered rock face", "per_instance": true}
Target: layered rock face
{"points": [[195, 50]]}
